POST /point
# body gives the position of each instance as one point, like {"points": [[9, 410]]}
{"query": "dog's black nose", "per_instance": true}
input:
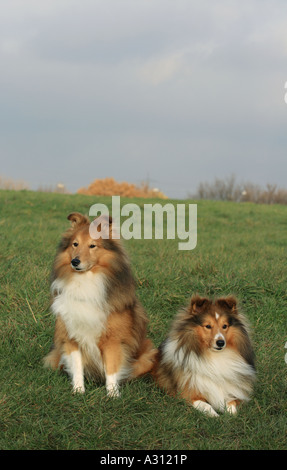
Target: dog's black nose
{"points": [[220, 343], [75, 262]]}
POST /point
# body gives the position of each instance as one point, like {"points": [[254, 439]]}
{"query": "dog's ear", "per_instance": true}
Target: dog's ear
{"points": [[101, 227], [105, 221], [78, 219], [228, 303], [198, 304]]}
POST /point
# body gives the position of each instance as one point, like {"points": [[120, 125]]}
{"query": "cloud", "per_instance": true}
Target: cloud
{"points": [[156, 71], [176, 64]]}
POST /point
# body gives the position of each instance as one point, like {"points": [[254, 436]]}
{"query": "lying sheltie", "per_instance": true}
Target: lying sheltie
{"points": [[100, 328], [207, 357]]}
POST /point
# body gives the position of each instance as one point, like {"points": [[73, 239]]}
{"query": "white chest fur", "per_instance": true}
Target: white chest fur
{"points": [[219, 376], [81, 303]]}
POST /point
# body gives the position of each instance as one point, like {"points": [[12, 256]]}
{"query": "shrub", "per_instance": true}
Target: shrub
{"points": [[229, 190], [110, 187], [9, 183]]}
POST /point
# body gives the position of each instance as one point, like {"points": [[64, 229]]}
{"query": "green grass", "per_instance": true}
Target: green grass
{"points": [[241, 250]]}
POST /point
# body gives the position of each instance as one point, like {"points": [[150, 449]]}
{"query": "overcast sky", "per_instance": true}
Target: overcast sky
{"points": [[173, 91]]}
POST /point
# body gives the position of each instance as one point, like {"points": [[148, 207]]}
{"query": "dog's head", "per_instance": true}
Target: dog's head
{"points": [[214, 320], [87, 245]]}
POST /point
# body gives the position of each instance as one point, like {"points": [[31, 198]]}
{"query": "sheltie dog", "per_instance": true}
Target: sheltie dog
{"points": [[100, 328], [207, 357]]}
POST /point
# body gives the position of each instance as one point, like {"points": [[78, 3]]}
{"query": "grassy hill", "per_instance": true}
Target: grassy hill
{"points": [[241, 249]]}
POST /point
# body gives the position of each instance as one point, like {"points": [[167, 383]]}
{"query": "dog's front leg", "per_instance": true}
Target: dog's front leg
{"points": [[112, 385], [204, 407], [231, 407], [72, 361], [113, 359], [77, 372]]}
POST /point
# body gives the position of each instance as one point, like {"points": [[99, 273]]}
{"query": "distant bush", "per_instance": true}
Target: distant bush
{"points": [[9, 183], [229, 190], [220, 190], [110, 187], [58, 188]]}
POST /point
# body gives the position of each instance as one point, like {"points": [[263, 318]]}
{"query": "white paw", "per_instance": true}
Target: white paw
{"points": [[205, 408], [112, 386], [231, 409], [78, 389], [113, 391]]}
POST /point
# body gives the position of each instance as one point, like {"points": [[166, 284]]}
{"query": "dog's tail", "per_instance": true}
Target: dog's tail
{"points": [[52, 359], [145, 360]]}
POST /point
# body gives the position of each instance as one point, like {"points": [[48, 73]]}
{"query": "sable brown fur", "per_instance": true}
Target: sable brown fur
{"points": [[120, 335], [190, 363]]}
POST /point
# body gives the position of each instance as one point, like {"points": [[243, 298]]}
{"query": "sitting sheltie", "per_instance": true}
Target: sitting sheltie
{"points": [[100, 328], [207, 357]]}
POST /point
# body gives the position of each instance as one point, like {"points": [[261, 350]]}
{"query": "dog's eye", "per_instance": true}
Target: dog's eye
{"points": [[208, 327], [224, 327], [92, 246], [75, 244]]}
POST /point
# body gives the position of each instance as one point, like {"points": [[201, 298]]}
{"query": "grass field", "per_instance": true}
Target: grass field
{"points": [[241, 249]]}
